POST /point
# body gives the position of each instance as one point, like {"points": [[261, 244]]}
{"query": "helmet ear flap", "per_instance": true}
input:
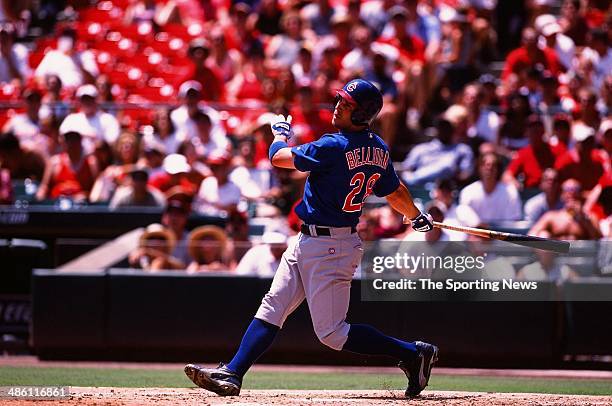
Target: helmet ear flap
{"points": [[359, 116]]}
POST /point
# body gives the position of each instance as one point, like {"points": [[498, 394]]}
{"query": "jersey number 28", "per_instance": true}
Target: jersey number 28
{"points": [[350, 205]]}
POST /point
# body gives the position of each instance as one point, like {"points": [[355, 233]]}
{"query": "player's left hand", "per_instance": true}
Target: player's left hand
{"points": [[281, 126], [422, 223]]}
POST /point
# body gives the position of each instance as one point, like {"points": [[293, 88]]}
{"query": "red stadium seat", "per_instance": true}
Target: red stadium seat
{"points": [[117, 45], [105, 61], [122, 4], [90, 32], [128, 77], [168, 45], [135, 117], [177, 30], [8, 92], [157, 91], [148, 62], [141, 33]]}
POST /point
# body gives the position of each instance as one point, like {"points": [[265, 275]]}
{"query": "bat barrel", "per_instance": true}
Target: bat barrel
{"points": [[519, 239]]}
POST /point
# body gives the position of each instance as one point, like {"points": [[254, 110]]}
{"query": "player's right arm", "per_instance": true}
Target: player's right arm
{"points": [[283, 158], [401, 201]]}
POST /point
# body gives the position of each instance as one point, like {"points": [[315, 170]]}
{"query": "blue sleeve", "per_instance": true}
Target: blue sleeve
{"points": [[388, 182], [466, 163], [315, 156]]}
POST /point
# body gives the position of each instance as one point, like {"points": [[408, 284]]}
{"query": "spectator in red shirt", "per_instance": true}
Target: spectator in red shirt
{"points": [[176, 173], [411, 47], [70, 173], [520, 60], [309, 122], [533, 159], [202, 72], [584, 162]]}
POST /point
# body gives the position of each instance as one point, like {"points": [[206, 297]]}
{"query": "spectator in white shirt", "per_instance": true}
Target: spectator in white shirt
{"points": [[218, 195], [73, 67], [183, 116], [492, 199], [483, 122], [93, 123], [26, 126], [263, 259], [597, 57], [13, 57]]}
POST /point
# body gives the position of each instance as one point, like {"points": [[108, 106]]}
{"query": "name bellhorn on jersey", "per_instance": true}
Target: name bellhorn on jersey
{"points": [[367, 156]]}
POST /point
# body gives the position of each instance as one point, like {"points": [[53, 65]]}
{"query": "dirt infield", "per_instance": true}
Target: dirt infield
{"points": [[158, 396], [32, 361]]}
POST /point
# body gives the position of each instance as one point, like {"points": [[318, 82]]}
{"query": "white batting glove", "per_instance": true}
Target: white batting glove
{"points": [[422, 223], [281, 126]]}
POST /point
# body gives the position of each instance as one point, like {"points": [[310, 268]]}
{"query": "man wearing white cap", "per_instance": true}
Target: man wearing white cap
{"points": [[183, 116], [91, 122], [584, 162], [218, 195], [552, 37], [263, 259]]}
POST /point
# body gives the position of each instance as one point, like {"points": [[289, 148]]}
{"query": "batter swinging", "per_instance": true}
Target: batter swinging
{"points": [[345, 168]]}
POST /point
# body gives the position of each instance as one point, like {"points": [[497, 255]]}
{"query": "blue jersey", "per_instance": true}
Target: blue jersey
{"points": [[344, 169]]}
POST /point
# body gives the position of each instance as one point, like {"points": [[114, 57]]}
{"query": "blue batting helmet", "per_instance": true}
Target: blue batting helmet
{"points": [[366, 97]]}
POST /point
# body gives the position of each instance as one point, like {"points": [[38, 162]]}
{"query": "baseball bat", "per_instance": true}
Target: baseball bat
{"points": [[531, 241]]}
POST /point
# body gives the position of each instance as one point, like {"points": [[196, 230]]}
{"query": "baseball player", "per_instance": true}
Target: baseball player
{"points": [[345, 168]]}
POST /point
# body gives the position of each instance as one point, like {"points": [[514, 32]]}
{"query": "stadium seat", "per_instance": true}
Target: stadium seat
{"points": [[90, 32], [8, 92], [156, 91]]}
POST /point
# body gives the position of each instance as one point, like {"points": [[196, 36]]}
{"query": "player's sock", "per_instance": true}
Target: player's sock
{"points": [[365, 339], [256, 340]]}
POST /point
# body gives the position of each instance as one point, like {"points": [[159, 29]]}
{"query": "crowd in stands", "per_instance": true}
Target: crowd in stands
{"points": [[496, 113]]}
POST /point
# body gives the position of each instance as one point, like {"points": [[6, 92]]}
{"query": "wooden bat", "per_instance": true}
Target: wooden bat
{"points": [[561, 247]]}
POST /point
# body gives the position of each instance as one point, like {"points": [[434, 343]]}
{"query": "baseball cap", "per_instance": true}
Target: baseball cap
{"points": [[605, 126], [543, 20], [581, 132], [176, 205], [198, 43], [87, 90], [30, 93], [189, 85], [139, 173], [218, 157], [176, 163], [487, 78], [398, 11], [550, 29]]}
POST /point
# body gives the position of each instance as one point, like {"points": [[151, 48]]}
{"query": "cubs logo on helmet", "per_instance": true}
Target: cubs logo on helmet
{"points": [[366, 97]]}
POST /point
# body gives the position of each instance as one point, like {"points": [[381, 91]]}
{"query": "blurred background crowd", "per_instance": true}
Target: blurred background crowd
{"points": [[496, 114]]}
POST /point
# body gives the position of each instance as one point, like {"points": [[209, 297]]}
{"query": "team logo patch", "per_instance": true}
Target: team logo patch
{"points": [[351, 86]]}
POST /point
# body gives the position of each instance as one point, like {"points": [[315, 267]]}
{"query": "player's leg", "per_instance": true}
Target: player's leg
{"points": [[285, 295], [327, 271]]}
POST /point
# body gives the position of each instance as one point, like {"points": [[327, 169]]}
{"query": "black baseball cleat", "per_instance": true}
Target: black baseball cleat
{"points": [[418, 370], [220, 380]]}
